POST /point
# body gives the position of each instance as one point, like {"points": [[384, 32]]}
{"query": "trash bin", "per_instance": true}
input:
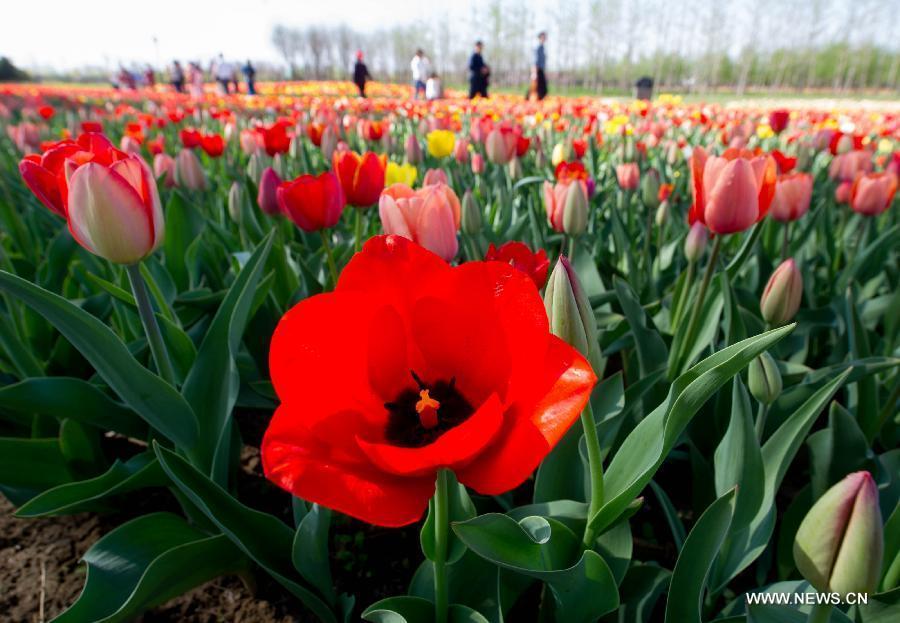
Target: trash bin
{"points": [[643, 88]]}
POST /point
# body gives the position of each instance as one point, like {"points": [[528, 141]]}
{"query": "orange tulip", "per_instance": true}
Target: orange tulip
{"points": [[361, 177], [873, 193]]}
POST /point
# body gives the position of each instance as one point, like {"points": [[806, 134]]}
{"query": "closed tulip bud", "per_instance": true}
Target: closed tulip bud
{"points": [[114, 211], [268, 186], [576, 210], [188, 171], [650, 189], [164, 169], [254, 168], [515, 169], [471, 214], [562, 152], [629, 176], [781, 298], [413, 150], [477, 164], [329, 143], [570, 314], [662, 214], [461, 151], [235, 202], [764, 379], [500, 145], [842, 192], [839, 546], [130, 145], [695, 243]]}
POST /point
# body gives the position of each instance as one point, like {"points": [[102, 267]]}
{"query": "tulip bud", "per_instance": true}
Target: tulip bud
{"points": [[471, 215], [515, 168], [562, 152], [764, 379], [781, 298], [268, 187], [695, 243], [570, 314], [839, 545], [188, 171], [477, 164], [164, 169], [413, 150], [235, 202], [254, 168], [576, 210], [662, 214], [650, 189]]}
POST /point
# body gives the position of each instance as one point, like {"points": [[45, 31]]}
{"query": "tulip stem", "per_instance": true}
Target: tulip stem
{"points": [[357, 232], [151, 327], [441, 534], [693, 326], [820, 613], [761, 420], [785, 241], [595, 466], [329, 253]]}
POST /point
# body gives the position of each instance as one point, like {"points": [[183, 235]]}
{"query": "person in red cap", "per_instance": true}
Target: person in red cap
{"points": [[360, 74]]}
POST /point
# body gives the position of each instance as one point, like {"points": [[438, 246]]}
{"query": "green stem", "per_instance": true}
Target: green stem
{"points": [[595, 465], [572, 248], [683, 293], [357, 233], [441, 534], [785, 241], [151, 328], [329, 254], [693, 326], [820, 613], [761, 420]]}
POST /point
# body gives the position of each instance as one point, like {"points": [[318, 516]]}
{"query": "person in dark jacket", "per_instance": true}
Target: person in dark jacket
{"points": [[360, 74], [250, 76], [479, 73], [540, 64]]}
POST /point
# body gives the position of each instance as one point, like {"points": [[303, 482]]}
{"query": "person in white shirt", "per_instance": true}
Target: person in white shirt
{"points": [[420, 69], [224, 72], [433, 88]]}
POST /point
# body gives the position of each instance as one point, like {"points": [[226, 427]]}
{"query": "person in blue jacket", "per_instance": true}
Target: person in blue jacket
{"points": [[479, 73]]}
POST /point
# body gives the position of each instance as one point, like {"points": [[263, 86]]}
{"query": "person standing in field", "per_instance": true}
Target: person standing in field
{"points": [[176, 77], [250, 76], [421, 68], [360, 74], [224, 73], [479, 73], [539, 78], [433, 88], [195, 80]]}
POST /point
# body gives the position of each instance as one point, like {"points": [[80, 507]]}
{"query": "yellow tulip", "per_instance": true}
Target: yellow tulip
{"points": [[440, 143], [401, 173]]}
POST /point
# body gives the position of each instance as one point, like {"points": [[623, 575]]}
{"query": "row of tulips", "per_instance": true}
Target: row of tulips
{"points": [[613, 361]]}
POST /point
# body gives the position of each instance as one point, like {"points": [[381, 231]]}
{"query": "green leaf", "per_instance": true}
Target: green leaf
{"points": [[182, 227], [871, 259], [32, 463], [137, 473], [262, 537], [543, 549], [310, 550], [213, 382], [651, 349], [157, 402], [866, 388], [615, 545], [882, 608], [695, 561], [640, 590], [671, 513], [891, 578], [645, 448], [836, 451], [63, 397], [146, 562], [408, 609]]}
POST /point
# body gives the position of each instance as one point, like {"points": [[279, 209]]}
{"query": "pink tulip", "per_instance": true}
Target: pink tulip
{"points": [[164, 169], [435, 176], [267, 197], [629, 175], [873, 193], [557, 201], [792, 196], [461, 150], [500, 145], [429, 216], [781, 298], [188, 171], [114, 211], [842, 192], [477, 164], [847, 166]]}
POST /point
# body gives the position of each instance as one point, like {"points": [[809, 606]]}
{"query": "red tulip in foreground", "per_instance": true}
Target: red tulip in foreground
{"points": [[732, 191], [410, 366], [840, 543]]}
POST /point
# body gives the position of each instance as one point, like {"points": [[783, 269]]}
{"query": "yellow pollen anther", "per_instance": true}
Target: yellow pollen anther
{"points": [[427, 408]]}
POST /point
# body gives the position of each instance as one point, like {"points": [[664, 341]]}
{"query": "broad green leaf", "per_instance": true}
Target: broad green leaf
{"points": [[689, 577], [32, 463], [866, 389], [836, 451], [137, 473], [640, 590], [145, 562], [408, 609], [651, 349], [262, 537], [182, 227], [64, 397], [310, 550], [157, 402], [213, 382], [19, 353], [882, 608]]}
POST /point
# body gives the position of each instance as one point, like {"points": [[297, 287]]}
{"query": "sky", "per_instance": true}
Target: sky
{"points": [[71, 33]]}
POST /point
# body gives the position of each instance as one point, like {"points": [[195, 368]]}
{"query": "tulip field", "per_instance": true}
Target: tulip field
{"points": [[452, 361]]}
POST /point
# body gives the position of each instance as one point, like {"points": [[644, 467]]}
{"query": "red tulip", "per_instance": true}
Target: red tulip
{"points": [[157, 145], [276, 139], [778, 120], [731, 192], [785, 163], [91, 126], [45, 176], [411, 366], [267, 197], [46, 111], [362, 177], [213, 145], [190, 138], [312, 202], [792, 196], [429, 216], [519, 256], [522, 145], [873, 193]]}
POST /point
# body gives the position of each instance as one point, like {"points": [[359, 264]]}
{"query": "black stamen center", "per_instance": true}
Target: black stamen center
{"points": [[404, 427]]}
